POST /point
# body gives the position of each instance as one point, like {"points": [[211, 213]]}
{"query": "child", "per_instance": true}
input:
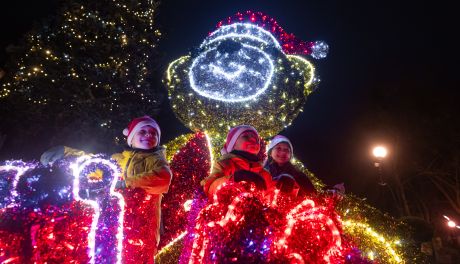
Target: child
{"points": [[239, 162], [145, 177], [287, 176]]}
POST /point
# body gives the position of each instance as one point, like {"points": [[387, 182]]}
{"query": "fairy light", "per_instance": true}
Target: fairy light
{"points": [[226, 78], [236, 75], [20, 168], [378, 239], [242, 31], [168, 246], [47, 60], [210, 148], [77, 167], [307, 211]]}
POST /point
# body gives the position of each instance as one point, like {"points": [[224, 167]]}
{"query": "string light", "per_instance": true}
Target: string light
{"points": [[78, 168], [19, 167], [238, 73], [387, 248]]}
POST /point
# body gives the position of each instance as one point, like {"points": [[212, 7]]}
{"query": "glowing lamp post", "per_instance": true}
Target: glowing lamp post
{"points": [[379, 153], [450, 223]]}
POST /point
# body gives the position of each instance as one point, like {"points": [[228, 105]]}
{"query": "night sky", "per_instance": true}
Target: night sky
{"points": [[407, 47]]}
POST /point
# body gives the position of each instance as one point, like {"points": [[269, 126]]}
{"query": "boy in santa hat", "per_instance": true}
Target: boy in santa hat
{"points": [[239, 162], [145, 175]]}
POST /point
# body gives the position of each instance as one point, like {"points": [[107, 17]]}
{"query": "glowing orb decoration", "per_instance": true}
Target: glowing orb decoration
{"points": [[241, 74]]}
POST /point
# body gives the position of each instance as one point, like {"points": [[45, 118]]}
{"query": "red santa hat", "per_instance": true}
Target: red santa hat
{"points": [[280, 139], [138, 123], [233, 135]]}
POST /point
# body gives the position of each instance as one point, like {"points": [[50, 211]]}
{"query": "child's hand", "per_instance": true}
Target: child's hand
{"points": [[340, 188], [51, 155], [337, 191], [285, 183], [249, 176]]}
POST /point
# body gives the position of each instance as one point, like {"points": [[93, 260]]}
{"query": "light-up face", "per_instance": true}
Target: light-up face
{"points": [[234, 65], [233, 76], [239, 75]]}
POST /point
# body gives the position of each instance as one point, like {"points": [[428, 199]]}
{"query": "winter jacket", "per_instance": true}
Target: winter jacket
{"points": [[303, 184], [224, 170], [149, 171]]}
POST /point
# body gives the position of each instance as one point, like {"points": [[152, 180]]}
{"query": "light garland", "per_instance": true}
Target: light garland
{"points": [[19, 167], [190, 159], [93, 60], [239, 76], [389, 251], [230, 81], [78, 167], [240, 226], [242, 31]]}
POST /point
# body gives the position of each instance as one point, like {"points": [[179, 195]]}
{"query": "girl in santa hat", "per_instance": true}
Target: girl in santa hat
{"points": [[287, 177]]}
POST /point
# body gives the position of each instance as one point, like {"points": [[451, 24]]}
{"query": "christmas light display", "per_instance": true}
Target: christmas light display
{"points": [[80, 71], [232, 71], [290, 44], [238, 226], [11, 171], [107, 249], [190, 164], [64, 223], [240, 75], [227, 82], [88, 26], [247, 71], [43, 222]]}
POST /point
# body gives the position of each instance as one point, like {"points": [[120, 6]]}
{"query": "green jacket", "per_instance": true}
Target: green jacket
{"points": [[146, 170]]}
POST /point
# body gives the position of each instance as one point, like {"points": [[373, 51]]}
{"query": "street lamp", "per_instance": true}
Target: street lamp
{"points": [[450, 223], [379, 152]]}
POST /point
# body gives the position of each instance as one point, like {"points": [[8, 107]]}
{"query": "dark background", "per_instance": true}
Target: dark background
{"points": [[390, 75]]}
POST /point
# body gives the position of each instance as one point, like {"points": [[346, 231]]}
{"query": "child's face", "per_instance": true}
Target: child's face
{"points": [[281, 153], [249, 142], [145, 138]]}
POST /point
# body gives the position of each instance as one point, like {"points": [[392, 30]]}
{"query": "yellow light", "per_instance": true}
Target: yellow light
{"points": [[378, 240]]}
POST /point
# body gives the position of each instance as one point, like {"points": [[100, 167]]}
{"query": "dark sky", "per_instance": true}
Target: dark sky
{"points": [[374, 45]]}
